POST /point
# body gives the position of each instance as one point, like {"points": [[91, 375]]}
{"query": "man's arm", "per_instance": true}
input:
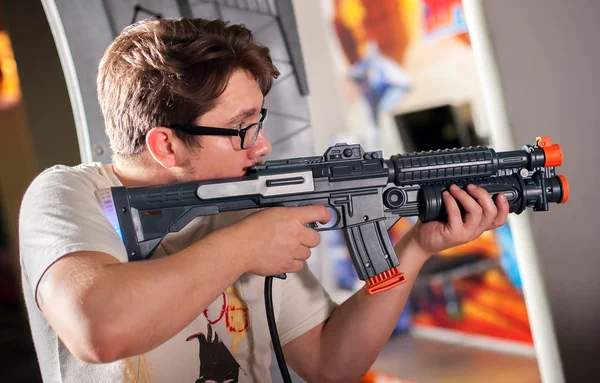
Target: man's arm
{"points": [[350, 340], [346, 345], [104, 310]]}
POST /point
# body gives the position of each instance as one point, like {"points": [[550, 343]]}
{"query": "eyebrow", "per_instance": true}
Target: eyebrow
{"points": [[243, 115]]}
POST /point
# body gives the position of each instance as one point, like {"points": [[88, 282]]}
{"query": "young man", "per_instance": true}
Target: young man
{"points": [[195, 311]]}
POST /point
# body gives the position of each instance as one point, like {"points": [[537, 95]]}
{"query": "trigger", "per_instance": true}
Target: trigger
{"points": [[312, 225]]}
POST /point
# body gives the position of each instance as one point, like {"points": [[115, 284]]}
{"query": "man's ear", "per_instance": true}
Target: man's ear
{"points": [[162, 146]]}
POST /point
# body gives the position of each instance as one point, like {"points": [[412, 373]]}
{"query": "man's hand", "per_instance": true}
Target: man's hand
{"points": [[276, 240], [481, 215]]}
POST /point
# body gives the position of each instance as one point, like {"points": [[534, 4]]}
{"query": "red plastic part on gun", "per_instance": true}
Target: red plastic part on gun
{"points": [[554, 157], [385, 281], [565, 188], [552, 152]]}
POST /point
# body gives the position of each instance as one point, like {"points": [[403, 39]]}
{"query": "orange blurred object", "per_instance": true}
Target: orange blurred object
{"points": [[381, 377], [486, 245]]}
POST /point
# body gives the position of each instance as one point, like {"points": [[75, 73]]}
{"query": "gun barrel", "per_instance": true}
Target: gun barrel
{"points": [[473, 162]]}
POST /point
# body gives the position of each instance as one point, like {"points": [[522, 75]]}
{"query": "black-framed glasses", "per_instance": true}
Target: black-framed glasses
{"points": [[247, 135]]}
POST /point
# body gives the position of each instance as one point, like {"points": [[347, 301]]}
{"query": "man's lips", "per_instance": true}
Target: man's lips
{"points": [[258, 163]]}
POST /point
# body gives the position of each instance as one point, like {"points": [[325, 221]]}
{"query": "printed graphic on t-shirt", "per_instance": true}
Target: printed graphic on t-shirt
{"points": [[234, 310], [217, 363], [135, 370]]}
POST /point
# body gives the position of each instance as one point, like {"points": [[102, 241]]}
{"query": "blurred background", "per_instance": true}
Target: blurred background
{"points": [[518, 304]]}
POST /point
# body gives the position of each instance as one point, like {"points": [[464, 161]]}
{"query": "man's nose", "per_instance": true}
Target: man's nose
{"points": [[261, 147]]}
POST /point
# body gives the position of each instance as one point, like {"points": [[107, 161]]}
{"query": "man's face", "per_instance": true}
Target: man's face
{"points": [[221, 156]]}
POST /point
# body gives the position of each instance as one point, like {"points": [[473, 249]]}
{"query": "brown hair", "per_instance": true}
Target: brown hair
{"points": [[160, 72]]}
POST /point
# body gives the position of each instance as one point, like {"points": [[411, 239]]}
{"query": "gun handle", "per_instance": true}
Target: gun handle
{"points": [[373, 256]]}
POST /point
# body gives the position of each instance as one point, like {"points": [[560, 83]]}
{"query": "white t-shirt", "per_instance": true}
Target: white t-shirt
{"points": [[229, 340]]}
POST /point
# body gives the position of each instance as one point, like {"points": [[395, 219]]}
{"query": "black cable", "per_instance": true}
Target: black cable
{"points": [[273, 330]]}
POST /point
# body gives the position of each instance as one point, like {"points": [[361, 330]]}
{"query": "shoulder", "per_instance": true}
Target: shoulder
{"points": [[60, 214], [65, 184], [92, 174], [61, 177]]}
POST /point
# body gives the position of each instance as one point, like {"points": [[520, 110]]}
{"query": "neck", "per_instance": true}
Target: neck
{"points": [[140, 173]]}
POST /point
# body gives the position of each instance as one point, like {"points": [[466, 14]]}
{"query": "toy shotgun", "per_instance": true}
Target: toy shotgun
{"points": [[367, 194]]}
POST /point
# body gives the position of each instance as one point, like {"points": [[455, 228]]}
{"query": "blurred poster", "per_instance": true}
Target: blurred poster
{"points": [[10, 91], [409, 81], [10, 96], [473, 288], [442, 18]]}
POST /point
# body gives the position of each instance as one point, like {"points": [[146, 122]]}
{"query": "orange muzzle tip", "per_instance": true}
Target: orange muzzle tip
{"points": [[385, 281], [552, 152], [566, 190]]}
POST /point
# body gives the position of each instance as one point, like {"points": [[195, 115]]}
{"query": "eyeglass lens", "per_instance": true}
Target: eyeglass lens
{"points": [[252, 133], [251, 136]]}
